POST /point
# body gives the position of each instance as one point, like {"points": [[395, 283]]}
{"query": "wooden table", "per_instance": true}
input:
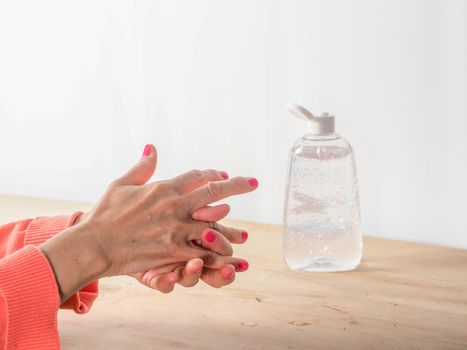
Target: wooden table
{"points": [[403, 296]]}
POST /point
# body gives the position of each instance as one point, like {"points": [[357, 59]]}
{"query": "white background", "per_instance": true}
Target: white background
{"points": [[84, 85]]}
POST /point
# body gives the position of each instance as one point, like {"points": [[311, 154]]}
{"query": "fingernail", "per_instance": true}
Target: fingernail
{"points": [[244, 235], [210, 237], [147, 150], [225, 176], [243, 266], [253, 182]]}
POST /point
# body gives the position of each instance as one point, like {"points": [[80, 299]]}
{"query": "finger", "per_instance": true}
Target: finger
{"points": [[218, 190], [214, 241], [146, 276], [210, 259], [142, 171], [241, 265], [219, 278], [214, 213], [232, 234], [190, 273], [193, 179], [164, 283]]}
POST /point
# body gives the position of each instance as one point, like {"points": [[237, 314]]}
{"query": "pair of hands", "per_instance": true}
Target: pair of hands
{"points": [[161, 233]]}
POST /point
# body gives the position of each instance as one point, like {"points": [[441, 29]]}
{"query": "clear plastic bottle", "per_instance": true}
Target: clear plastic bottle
{"points": [[322, 211]]}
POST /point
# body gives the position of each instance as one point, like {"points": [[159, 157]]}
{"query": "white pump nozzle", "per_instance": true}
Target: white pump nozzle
{"points": [[320, 125]]}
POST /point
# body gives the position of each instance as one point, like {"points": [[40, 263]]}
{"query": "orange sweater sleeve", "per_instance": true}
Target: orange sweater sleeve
{"points": [[29, 298]]}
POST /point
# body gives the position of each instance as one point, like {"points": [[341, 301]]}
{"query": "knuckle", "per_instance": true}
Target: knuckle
{"points": [[239, 181], [213, 174], [209, 259], [198, 175], [158, 187], [213, 190], [113, 185], [155, 189]]}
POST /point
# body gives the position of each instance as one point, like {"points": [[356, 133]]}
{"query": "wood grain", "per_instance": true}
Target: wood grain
{"points": [[403, 296]]}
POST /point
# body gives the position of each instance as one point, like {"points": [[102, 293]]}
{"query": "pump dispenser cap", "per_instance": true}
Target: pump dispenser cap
{"points": [[317, 125]]}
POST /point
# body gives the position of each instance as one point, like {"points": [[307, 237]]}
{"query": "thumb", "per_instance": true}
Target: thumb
{"points": [[142, 171]]}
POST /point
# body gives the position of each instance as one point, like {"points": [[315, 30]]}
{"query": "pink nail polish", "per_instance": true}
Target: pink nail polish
{"points": [[147, 150], [244, 235], [253, 182], [210, 237], [224, 175], [243, 266]]}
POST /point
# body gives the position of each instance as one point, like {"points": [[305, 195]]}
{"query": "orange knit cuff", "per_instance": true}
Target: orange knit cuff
{"points": [[30, 299], [44, 227], [40, 230]]}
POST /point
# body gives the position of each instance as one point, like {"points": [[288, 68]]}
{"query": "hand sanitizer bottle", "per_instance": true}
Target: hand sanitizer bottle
{"points": [[322, 211]]}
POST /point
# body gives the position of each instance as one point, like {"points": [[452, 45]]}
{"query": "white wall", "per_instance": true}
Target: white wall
{"points": [[84, 85]]}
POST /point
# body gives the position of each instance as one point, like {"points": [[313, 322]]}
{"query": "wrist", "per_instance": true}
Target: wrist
{"points": [[75, 259]]}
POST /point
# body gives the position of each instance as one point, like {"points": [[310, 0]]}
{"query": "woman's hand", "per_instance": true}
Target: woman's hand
{"points": [[188, 275], [137, 226]]}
